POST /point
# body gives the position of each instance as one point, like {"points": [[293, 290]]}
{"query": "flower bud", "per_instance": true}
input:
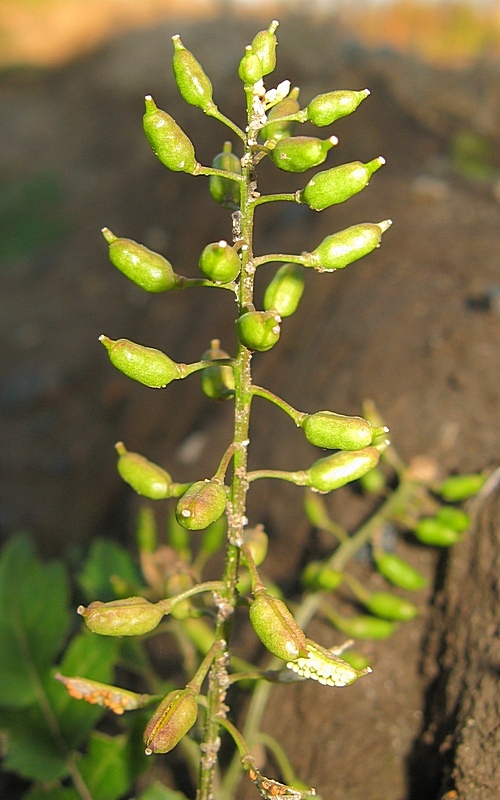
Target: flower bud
{"points": [[146, 478], [264, 46], [147, 269], [318, 576], [365, 627], [454, 518], [326, 667], [194, 86], [132, 616], [143, 364], [342, 248], [432, 531], [338, 432], [299, 153], [461, 487], [388, 606], [217, 381], [258, 330], [334, 471], [226, 191], [168, 141], [326, 108], [338, 184], [250, 68], [203, 503], [174, 717], [398, 572], [220, 262], [273, 130], [285, 290], [275, 626]]}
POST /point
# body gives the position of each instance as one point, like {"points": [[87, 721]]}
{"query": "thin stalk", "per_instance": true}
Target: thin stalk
{"points": [[291, 259], [292, 412]]}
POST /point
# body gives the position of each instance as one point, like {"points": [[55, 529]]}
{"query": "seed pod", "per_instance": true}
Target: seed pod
{"points": [[318, 576], [398, 572], [203, 503], [273, 130], [147, 269], [175, 584], [258, 330], [340, 249], [174, 717], [365, 627], [326, 108], [168, 141], [433, 532], [264, 46], [461, 487], [214, 537], [257, 541], [454, 518], [338, 184], [275, 626], [388, 606], [338, 432], [334, 471], [326, 667], [226, 191], [143, 364], [194, 86], [285, 290], [373, 482], [146, 478], [220, 262], [130, 617], [299, 153], [250, 68], [217, 381]]}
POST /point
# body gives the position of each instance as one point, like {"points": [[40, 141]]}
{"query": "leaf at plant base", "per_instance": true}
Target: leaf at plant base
{"points": [[159, 792], [106, 767], [107, 561], [30, 749], [34, 620], [52, 793]]}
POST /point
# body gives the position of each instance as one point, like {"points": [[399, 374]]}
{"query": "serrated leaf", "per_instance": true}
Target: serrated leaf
{"points": [[159, 792], [106, 561], [106, 767]]}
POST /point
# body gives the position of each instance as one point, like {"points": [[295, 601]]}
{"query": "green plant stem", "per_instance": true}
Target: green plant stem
{"points": [[208, 586], [287, 257], [272, 198], [226, 121], [297, 416], [298, 477]]}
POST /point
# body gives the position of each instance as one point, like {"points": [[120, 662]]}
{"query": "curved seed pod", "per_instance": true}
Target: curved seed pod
{"points": [[341, 249], [264, 46], [174, 717], [318, 576], [338, 184], [454, 518], [143, 364], [285, 290], [217, 381], [194, 86], [299, 153], [250, 69], [146, 478], [363, 626], [147, 269], [326, 108], [275, 626], [335, 471], [338, 432], [388, 606], [399, 572], [274, 130], [203, 503], [220, 262], [168, 141], [432, 531], [258, 330], [130, 617], [461, 487], [226, 191], [326, 667]]}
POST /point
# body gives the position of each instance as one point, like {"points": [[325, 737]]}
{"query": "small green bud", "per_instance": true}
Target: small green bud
{"points": [[203, 503], [147, 269], [326, 108], [454, 518], [285, 290], [143, 364], [226, 191], [340, 249], [258, 330], [432, 531], [365, 627], [338, 432], [217, 381], [220, 262], [461, 487], [264, 46], [399, 572], [168, 141], [257, 541], [338, 184], [318, 576], [388, 606], [250, 68], [275, 626], [174, 717], [146, 478], [299, 153], [334, 471], [274, 130], [132, 616], [194, 86]]}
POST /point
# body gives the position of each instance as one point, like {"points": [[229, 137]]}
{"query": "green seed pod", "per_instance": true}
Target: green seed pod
{"points": [[338, 432], [194, 86], [399, 572], [340, 249], [132, 616], [146, 478], [217, 381], [318, 576], [285, 290], [203, 503], [168, 141], [338, 184], [147, 269], [225, 191], [326, 108], [388, 606], [275, 626], [250, 68], [176, 584], [365, 627], [178, 538], [257, 541], [264, 46], [373, 482], [454, 518], [214, 537], [174, 717], [220, 262], [432, 531], [273, 130], [299, 153], [326, 667], [146, 531], [258, 330], [334, 471], [143, 364], [461, 487]]}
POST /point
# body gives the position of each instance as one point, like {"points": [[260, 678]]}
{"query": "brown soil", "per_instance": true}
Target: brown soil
{"points": [[415, 327]]}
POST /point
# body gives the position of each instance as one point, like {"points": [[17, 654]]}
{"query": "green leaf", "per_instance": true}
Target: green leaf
{"points": [[107, 561], [159, 792], [31, 750], [106, 767], [52, 793]]}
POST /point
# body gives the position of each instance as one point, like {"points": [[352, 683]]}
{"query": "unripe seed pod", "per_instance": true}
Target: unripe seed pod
{"points": [[274, 131], [365, 627], [275, 626], [225, 191], [217, 381], [258, 330], [203, 503], [338, 184], [147, 269], [168, 141], [194, 86], [214, 537], [174, 717], [461, 487], [338, 432], [388, 606], [285, 290], [257, 541], [143, 364], [334, 471], [326, 108], [146, 478], [454, 518], [175, 584], [250, 69], [373, 482], [433, 532], [132, 616], [318, 576], [342, 248], [299, 153], [220, 262], [264, 46], [398, 572]]}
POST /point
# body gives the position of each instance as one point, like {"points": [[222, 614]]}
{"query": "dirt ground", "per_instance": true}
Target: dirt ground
{"points": [[416, 327]]}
